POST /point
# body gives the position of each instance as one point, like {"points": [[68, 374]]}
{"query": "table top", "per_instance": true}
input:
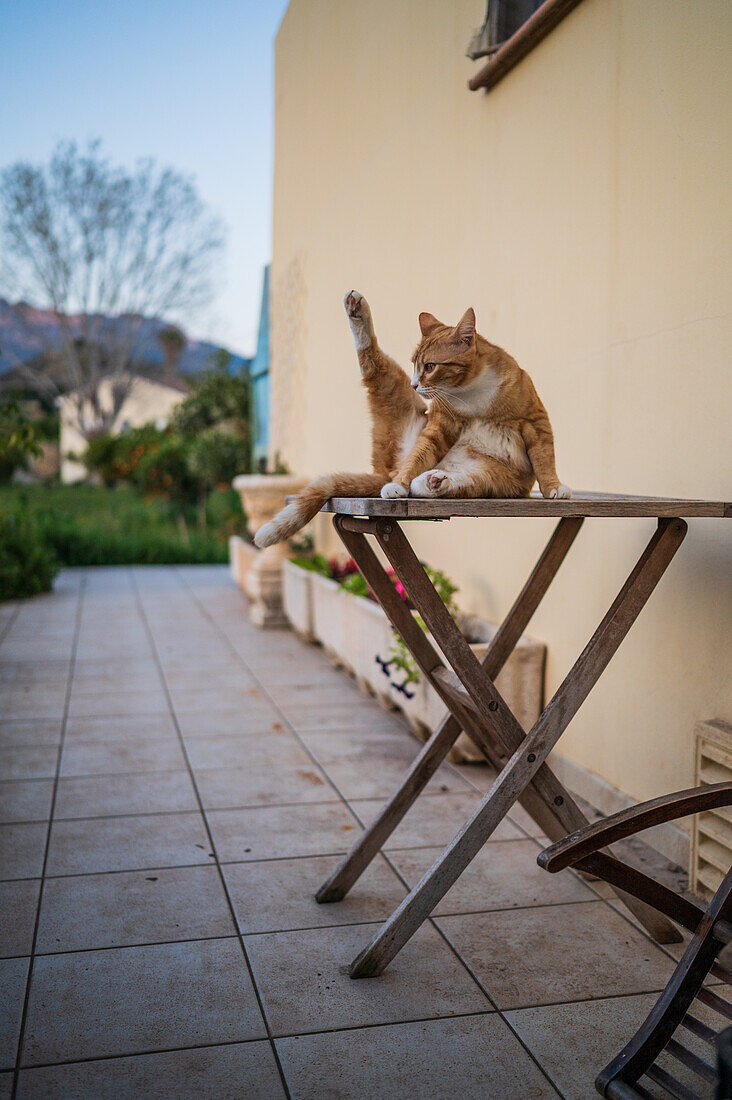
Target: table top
{"points": [[582, 504]]}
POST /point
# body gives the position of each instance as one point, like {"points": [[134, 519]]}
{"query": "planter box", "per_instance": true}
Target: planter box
{"points": [[242, 556], [357, 635], [297, 594]]}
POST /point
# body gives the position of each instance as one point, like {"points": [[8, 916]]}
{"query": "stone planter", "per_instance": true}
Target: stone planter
{"points": [[297, 595], [242, 556], [357, 635], [263, 495]]}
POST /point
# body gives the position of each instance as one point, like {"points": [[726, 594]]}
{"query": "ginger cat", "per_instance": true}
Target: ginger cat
{"points": [[469, 424]]}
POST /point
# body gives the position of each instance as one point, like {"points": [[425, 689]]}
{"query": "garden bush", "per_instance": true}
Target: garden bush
{"points": [[27, 562]]}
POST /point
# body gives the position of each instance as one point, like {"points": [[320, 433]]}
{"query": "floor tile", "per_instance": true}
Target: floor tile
{"points": [[139, 999], [528, 957], [471, 1057], [341, 692], [263, 784], [25, 799], [121, 702], [29, 731], [6, 1085], [244, 698], [276, 749], [13, 975], [113, 795], [302, 681], [127, 843], [371, 765], [116, 680], [231, 675], [18, 905], [148, 727], [225, 1072], [433, 819], [133, 907], [121, 757], [279, 832], [304, 983], [21, 850], [360, 714], [575, 1041], [29, 762], [504, 875], [279, 894], [34, 703], [256, 718]]}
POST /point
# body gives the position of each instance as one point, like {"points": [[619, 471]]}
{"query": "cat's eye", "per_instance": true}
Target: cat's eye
{"points": [[427, 367]]}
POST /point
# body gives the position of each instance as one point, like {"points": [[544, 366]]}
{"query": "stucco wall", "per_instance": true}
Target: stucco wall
{"points": [[582, 208]]}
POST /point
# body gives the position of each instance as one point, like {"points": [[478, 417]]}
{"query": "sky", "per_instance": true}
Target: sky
{"points": [[187, 82]]}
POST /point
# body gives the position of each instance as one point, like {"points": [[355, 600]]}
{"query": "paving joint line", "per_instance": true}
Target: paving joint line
{"points": [[80, 595], [222, 877]]}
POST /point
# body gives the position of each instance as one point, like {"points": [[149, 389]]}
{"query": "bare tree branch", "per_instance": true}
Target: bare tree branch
{"points": [[102, 249]]}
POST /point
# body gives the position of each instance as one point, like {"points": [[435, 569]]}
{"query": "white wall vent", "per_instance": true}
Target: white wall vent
{"points": [[711, 838]]}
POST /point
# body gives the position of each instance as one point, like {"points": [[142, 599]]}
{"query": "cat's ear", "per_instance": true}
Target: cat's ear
{"points": [[427, 323], [465, 328]]}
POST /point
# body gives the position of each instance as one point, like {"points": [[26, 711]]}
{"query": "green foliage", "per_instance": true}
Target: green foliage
{"points": [[163, 471], [217, 398], [17, 438], [216, 457], [316, 563], [27, 563], [399, 654], [356, 585], [86, 525], [118, 457]]}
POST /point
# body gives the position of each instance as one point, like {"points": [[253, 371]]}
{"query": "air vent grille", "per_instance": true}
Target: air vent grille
{"points": [[711, 840]]}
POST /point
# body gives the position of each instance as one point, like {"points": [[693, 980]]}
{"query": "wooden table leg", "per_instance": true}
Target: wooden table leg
{"points": [[532, 750], [545, 799], [438, 746]]}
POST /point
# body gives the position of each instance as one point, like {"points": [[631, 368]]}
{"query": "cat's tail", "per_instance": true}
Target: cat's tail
{"points": [[312, 498]]}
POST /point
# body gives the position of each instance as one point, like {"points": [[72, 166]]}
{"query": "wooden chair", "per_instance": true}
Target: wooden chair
{"points": [[635, 1072]]}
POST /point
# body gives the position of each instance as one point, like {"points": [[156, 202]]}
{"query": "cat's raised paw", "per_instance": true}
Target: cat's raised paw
{"points": [[434, 483], [392, 490], [359, 318], [352, 302], [562, 492]]}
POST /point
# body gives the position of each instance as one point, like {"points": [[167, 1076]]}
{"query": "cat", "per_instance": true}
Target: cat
{"points": [[468, 424]]}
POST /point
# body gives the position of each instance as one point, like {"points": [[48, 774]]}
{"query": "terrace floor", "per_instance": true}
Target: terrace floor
{"points": [[175, 786]]}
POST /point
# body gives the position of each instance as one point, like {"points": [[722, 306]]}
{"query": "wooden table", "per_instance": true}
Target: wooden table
{"points": [[467, 685]]}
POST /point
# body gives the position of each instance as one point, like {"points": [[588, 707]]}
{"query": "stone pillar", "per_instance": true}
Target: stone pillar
{"points": [[263, 495]]}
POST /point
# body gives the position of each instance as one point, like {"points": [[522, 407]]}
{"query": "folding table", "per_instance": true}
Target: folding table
{"points": [[467, 685]]}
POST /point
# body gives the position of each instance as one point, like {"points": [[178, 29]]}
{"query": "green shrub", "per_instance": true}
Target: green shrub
{"points": [[87, 525], [217, 398], [17, 439], [27, 563], [216, 457]]}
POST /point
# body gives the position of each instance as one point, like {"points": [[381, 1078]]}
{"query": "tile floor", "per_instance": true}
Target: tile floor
{"points": [[169, 808]]}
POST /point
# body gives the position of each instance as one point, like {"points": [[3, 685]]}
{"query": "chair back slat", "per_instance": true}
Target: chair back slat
{"points": [[692, 1061], [672, 1086], [713, 1000], [697, 1027]]}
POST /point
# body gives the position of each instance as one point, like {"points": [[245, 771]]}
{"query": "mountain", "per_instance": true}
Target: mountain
{"points": [[26, 331]]}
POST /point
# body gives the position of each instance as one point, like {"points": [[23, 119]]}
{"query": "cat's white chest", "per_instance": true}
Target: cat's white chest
{"points": [[505, 444]]}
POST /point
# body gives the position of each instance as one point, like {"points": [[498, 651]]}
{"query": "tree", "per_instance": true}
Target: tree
{"points": [[107, 251]]}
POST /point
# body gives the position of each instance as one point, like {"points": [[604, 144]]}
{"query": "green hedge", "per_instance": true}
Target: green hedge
{"points": [[85, 525], [28, 564]]}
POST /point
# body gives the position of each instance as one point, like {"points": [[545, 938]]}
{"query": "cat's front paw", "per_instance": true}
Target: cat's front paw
{"points": [[562, 492], [433, 483], [359, 318], [392, 490]]}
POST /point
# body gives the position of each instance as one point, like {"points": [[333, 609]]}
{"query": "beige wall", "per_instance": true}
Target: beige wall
{"points": [[582, 208]]}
